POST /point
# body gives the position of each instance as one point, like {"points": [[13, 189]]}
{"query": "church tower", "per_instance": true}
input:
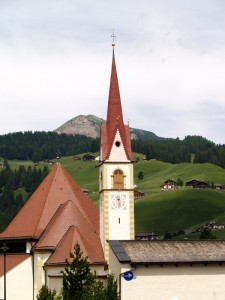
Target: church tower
{"points": [[116, 172]]}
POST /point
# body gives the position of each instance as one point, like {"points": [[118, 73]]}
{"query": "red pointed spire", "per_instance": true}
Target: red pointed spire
{"points": [[114, 114], [114, 119]]}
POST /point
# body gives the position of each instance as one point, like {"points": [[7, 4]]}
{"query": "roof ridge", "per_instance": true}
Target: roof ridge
{"points": [[49, 188], [87, 241], [81, 238], [71, 227], [84, 244], [49, 225], [49, 177], [72, 183]]}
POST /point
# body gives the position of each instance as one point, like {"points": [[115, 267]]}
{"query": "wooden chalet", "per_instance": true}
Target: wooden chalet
{"points": [[197, 184], [138, 194], [88, 157], [169, 185], [222, 187], [146, 236]]}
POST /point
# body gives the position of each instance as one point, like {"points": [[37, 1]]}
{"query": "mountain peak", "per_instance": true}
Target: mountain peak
{"points": [[89, 125]]}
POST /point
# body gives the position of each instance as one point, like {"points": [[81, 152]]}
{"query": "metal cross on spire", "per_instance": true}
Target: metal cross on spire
{"points": [[113, 38]]}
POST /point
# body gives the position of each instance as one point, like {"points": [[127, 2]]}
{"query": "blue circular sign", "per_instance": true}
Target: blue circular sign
{"points": [[128, 276]]}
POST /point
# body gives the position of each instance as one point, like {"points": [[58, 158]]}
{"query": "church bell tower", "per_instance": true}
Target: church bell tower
{"points": [[115, 172]]}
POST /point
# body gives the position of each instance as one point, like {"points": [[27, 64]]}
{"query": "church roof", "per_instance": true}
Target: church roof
{"points": [[56, 205], [67, 227], [66, 246], [169, 252], [114, 120]]}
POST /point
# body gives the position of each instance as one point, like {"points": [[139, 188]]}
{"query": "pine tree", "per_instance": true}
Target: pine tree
{"points": [[207, 234], [77, 276], [140, 175], [111, 289], [46, 294], [81, 284], [180, 182]]}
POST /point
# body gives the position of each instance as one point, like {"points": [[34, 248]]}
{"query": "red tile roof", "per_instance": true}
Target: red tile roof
{"points": [[56, 235], [57, 188], [114, 120], [57, 204], [66, 246], [11, 261]]}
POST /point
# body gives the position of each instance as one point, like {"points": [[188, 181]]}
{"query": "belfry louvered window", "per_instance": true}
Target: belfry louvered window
{"points": [[118, 179]]}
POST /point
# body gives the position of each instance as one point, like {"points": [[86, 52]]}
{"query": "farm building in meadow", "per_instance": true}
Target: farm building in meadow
{"points": [[169, 185], [138, 194], [196, 184]]}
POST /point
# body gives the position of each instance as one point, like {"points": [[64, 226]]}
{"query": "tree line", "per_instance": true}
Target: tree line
{"points": [[195, 149], [16, 186], [38, 146]]}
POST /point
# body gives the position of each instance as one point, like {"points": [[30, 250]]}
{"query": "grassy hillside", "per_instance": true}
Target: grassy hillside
{"points": [[160, 211], [180, 209], [183, 208]]}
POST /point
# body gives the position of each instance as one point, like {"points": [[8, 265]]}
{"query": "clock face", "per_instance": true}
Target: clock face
{"points": [[119, 201]]}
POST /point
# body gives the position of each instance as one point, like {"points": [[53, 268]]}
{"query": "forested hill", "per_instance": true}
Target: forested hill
{"points": [[195, 149], [38, 146], [16, 186]]}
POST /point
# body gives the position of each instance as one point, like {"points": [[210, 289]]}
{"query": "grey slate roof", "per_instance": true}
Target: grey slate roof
{"points": [[169, 252]]}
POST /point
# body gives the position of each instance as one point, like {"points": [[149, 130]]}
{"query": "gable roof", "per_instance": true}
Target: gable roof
{"points": [[66, 246], [114, 120], [169, 252], [58, 205], [56, 189], [67, 227]]}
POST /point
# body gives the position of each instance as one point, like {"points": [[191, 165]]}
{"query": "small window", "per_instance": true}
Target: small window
{"points": [[117, 143]]}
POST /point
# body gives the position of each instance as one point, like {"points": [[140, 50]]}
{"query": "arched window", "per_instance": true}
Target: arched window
{"points": [[118, 179]]}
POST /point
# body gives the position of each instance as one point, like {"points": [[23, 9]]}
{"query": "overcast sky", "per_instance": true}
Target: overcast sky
{"points": [[55, 64]]}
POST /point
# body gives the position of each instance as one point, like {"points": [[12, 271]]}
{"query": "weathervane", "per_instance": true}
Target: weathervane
{"points": [[113, 38]]}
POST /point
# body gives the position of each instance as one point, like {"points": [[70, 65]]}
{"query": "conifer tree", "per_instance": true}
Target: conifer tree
{"points": [[77, 276], [81, 284], [46, 294], [140, 175]]}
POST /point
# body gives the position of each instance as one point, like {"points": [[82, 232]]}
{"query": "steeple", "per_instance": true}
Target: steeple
{"points": [[114, 121], [116, 171], [114, 113]]}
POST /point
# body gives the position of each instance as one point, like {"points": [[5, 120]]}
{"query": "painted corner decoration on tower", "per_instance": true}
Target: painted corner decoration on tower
{"points": [[116, 171]]}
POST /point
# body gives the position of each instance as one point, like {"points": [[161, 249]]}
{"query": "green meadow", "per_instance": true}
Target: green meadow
{"points": [[159, 211], [162, 211]]}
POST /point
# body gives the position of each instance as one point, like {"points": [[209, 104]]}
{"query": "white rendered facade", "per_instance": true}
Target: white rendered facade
{"points": [[116, 201], [19, 281], [170, 282]]}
